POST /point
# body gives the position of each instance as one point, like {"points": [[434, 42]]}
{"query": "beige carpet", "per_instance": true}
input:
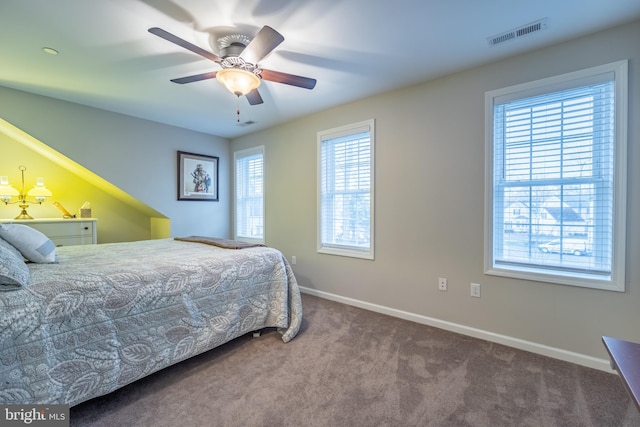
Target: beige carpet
{"points": [[351, 367]]}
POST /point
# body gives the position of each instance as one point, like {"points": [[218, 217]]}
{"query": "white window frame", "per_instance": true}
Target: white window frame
{"points": [[347, 249], [616, 280], [238, 155]]}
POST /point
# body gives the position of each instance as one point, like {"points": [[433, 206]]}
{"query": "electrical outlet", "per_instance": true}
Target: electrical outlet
{"points": [[294, 260], [442, 283], [475, 290]]}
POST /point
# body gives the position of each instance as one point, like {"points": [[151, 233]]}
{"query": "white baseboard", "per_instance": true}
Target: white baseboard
{"points": [[556, 353]]}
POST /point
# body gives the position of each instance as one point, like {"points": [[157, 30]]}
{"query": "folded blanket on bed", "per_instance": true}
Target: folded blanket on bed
{"points": [[221, 243]]}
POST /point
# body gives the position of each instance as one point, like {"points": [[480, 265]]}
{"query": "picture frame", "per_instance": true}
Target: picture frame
{"points": [[197, 177]]}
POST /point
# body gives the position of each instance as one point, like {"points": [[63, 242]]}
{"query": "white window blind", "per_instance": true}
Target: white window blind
{"points": [[346, 190], [555, 197], [249, 194]]}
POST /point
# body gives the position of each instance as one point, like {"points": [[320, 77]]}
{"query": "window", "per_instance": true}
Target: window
{"points": [[556, 179], [345, 190], [249, 194]]}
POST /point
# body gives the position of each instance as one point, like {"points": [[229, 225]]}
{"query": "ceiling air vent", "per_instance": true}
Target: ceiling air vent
{"points": [[533, 27]]}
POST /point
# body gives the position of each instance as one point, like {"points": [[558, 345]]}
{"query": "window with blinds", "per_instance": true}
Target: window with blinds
{"points": [[249, 194], [345, 190], [557, 179]]}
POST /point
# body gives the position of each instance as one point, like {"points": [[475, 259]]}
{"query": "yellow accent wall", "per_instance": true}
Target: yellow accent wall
{"points": [[120, 216]]}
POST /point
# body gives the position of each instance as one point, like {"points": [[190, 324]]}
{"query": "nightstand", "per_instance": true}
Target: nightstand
{"points": [[63, 232]]}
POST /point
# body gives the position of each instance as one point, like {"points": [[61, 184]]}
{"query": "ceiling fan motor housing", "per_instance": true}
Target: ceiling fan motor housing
{"points": [[232, 45], [235, 49]]}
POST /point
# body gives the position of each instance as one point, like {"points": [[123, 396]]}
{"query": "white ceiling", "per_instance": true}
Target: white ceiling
{"points": [[354, 48]]}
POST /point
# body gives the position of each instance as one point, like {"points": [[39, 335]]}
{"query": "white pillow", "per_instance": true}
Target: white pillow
{"points": [[32, 244], [14, 273]]}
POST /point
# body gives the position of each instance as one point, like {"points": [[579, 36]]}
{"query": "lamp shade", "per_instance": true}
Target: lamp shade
{"points": [[39, 191], [238, 81], [7, 192]]}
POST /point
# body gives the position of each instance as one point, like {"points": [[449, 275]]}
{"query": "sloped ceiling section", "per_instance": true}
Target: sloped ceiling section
{"points": [[158, 225]]}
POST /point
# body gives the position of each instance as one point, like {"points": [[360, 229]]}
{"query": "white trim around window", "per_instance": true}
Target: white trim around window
{"points": [[346, 193], [248, 195], [555, 179]]}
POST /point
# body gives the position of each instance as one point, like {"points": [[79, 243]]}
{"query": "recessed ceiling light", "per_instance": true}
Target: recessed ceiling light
{"points": [[50, 50]]}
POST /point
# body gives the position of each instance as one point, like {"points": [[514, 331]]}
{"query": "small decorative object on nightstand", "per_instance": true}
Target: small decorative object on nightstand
{"points": [[85, 210]]}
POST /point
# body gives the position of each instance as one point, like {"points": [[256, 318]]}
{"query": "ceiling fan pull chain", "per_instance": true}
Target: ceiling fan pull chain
{"points": [[238, 110]]}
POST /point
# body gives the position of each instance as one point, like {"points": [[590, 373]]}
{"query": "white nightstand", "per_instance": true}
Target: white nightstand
{"points": [[64, 232]]}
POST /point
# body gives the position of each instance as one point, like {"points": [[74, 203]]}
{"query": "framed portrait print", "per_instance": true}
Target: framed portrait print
{"points": [[197, 177]]}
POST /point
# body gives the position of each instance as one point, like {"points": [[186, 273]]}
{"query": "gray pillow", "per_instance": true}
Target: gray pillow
{"points": [[33, 244], [14, 273]]}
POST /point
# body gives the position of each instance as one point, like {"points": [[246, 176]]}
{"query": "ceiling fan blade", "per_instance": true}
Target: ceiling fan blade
{"points": [[254, 97], [262, 44], [288, 79], [183, 43], [195, 78]]}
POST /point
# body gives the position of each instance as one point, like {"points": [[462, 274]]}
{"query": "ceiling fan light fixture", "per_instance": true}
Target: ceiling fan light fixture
{"points": [[237, 81]]}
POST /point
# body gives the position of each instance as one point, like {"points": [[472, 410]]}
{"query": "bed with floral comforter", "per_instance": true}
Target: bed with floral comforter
{"points": [[106, 315]]}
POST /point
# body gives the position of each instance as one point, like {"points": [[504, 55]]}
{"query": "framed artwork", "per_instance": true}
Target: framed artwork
{"points": [[197, 177]]}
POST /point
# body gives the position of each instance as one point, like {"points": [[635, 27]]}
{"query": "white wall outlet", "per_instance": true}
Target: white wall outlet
{"points": [[475, 290], [294, 260], [442, 283]]}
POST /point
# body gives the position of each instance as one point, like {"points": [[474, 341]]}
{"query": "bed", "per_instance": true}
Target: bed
{"points": [[103, 316]]}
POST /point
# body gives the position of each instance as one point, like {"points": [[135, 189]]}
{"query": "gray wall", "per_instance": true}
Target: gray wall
{"points": [[429, 195], [138, 156], [429, 206]]}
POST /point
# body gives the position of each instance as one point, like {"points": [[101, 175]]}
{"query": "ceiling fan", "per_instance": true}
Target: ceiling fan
{"points": [[239, 57]]}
